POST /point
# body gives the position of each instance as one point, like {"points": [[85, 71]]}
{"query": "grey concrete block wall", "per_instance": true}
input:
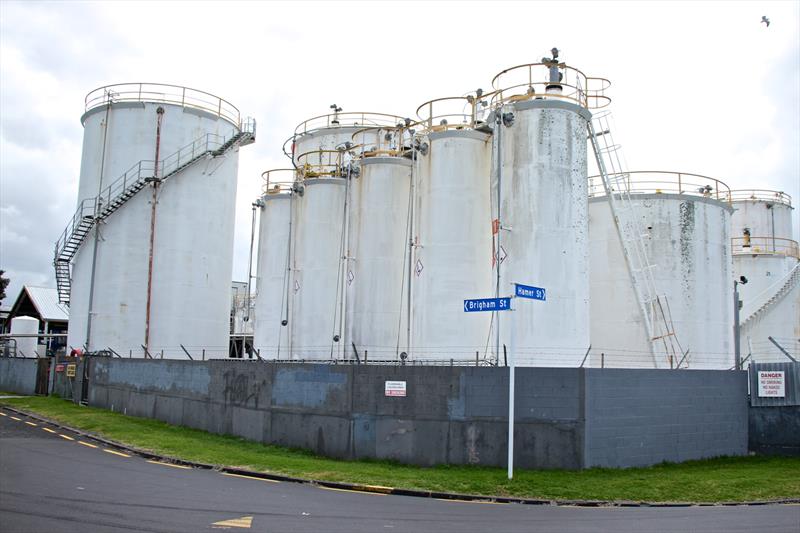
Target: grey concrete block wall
{"points": [[565, 418], [18, 375], [644, 417]]}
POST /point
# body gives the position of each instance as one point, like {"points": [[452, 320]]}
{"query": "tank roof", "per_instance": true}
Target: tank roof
{"points": [[163, 93]]}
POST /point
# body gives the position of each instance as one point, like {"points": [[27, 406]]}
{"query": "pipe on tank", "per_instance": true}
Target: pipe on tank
{"points": [[155, 181], [97, 228]]}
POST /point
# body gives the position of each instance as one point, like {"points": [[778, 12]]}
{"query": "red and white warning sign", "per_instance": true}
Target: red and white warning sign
{"points": [[771, 384], [395, 388]]}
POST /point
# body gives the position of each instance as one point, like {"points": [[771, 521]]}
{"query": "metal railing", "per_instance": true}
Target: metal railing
{"points": [[134, 178], [349, 119], [530, 81], [95, 207], [164, 93], [765, 246], [394, 141], [664, 182], [454, 112], [757, 303], [763, 195], [320, 164], [278, 180]]}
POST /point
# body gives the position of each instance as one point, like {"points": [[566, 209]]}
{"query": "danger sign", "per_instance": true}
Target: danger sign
{"points": [[771, 384]]}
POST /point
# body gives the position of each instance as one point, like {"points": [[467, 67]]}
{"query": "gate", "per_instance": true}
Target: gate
{"points": [[85, 381], [42, 376]]}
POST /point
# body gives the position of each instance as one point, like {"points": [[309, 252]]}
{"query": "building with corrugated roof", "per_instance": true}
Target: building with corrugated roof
{"points": [[42, 304]]}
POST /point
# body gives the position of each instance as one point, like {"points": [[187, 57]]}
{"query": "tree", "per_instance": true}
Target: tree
{"points": [[3, 284]]}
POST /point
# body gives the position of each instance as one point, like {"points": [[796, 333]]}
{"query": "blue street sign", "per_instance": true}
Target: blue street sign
{"points": [[487, 304], [526, 291]]}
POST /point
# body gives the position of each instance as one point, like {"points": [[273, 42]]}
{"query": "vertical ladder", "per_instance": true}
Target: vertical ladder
{"points": [[616, 183]]}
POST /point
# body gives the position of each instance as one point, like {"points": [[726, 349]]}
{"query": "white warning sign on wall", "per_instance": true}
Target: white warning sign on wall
{"points": [[395, 388], [771, 384]]}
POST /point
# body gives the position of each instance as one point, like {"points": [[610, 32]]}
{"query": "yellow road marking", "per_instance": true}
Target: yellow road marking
{"points": [[31, 424], [65, 437], [3, 414], [17, 419], [49, 430], [243, 522], [356, 491], [471, 501], [170, 464], [87, 444], [116, 453], [251, 477]]}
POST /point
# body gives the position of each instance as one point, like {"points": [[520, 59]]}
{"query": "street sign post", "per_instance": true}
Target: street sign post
{"points": [[531, 293]]}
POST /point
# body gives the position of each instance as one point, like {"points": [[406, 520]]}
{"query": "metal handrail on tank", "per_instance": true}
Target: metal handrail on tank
{"points": [[532, 81], [325, 164], [454, 112], [762, 195], [348, 119], [664, 182], [98, 206], [748, 245], [278, 180], [394, 141], [164, 93]]}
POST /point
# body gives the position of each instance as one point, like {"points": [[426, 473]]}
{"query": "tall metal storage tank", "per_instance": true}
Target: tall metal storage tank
{"points": [[764, 216], [540, 186], [317, 267], [453, 233], [153, 275], [765, 252], [329, 132], [688, 240], [271, 312], [377, 274]]}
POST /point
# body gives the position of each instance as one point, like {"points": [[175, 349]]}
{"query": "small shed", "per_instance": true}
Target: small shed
{"points": [[42, 304]]}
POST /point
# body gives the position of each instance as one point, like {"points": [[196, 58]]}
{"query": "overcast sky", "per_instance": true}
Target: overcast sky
{"points": [[696, 87]]}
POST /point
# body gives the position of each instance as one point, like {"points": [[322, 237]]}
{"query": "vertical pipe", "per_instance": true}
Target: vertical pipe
{"points": [[411, 248], [89, 309], [160, 116], [498, 119], [345, 259], [250, 265], [736, 342]]}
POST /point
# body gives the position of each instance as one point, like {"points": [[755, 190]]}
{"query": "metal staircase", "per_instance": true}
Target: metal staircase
{"points": [[765, 300], [93, 210], [653, 306]]}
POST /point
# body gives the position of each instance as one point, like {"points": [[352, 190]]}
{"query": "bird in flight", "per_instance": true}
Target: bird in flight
{"points": [[765, 20]]}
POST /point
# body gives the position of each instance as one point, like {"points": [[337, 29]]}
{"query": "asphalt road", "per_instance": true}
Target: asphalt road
{"points": [[56, 481]]}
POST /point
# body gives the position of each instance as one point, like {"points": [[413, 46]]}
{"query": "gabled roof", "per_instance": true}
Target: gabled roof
{"points": [[45, 300]]}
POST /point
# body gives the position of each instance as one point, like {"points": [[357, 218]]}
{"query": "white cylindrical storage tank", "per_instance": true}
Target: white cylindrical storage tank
{"points": [[542, 150], [330, 132], [26, 346], [687, 240], [179, 293], [761, 221], [316, 281], [377, 274], [453, 221], [770, 302], [271, 309]]}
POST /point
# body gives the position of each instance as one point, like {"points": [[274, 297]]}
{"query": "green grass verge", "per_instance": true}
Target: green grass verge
{"points": [[714, 480]]}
